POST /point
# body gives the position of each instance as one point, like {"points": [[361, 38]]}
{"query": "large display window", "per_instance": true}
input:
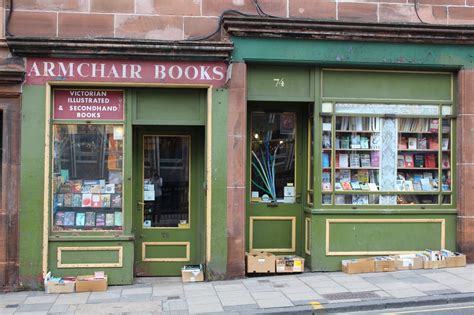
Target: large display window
{"points": [[400, 157], [87, 177]]}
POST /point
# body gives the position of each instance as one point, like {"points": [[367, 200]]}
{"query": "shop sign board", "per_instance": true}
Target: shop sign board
{"points": [[39, 71], [88, 104]]}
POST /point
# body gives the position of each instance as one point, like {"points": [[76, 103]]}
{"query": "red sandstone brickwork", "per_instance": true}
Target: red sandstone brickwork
{"points": [[181, 19]]}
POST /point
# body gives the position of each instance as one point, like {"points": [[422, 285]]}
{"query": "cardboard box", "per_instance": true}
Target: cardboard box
{"points": [[289, 264], [60, 287], [192, 273], [358, 265], [434, 264], [408, 262], [384, 264], [260, 262], [456, 261], [90, 284]]}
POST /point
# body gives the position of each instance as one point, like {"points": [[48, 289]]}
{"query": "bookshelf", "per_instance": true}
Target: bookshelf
{"points": [[415, 168]]}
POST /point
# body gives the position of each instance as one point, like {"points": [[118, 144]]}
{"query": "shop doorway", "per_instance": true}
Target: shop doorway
{"points": [[168, 218], [276, 182]]}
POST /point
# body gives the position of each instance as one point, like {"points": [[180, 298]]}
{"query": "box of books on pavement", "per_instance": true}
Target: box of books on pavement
{"points": [[92, 283], [434, 259], [59, 285], [192, 273], [358, 265], [384, 264], [260, 262], [408, 262], [289, 264]]}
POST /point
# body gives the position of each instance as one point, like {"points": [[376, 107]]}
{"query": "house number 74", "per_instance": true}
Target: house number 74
{"points": [[279, 82]]}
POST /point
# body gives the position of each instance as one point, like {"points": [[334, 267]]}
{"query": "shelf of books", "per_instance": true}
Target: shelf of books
{"points": [[326, 159], [418, 160], [87, 178], [357, 159]]}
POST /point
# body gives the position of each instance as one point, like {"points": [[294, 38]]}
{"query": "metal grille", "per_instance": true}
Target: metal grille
{"points": [[351, 295]]}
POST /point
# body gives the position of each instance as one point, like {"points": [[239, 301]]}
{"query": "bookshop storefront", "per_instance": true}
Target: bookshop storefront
{"points": [[351, 145], [114, 157]]}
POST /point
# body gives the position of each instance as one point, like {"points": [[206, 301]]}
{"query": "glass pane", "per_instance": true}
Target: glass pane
{"points": [[417, 162], [166, 181], [87, 177], [357, 149], [326, 158], [273, 157], [446, 161]]}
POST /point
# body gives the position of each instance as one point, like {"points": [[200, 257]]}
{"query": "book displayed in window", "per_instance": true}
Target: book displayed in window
{"points": [[409, 157], [87, 180]]}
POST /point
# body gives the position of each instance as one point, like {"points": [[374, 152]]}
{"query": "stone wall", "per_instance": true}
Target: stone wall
{"points": [[184, 19]]}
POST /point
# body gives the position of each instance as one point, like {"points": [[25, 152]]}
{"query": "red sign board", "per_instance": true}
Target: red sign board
{"points": [[88, 104], [40, 71]]}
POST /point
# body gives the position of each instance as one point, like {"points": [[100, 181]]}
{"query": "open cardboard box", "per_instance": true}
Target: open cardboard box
{"points": [[192, 273], [289, 264], [408, 262], [59, 285], [358, 265], [456, 261], [260, 262], [384, 264], [91, 284]]}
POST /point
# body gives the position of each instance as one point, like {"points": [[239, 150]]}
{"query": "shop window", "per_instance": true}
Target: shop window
{"points": [[166, 181], [373, 159], [87, 177], [273, 156]]}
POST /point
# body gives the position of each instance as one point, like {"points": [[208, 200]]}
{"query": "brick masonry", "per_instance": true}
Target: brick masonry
{"points": [[159, 19]]}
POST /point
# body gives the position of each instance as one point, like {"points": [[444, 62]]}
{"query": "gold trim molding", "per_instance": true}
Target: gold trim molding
{"points": [[118, 264], [188, 251], [307, 236], [271, 218], [367, 253]]}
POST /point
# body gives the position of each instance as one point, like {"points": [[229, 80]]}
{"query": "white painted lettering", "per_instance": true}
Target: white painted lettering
{"points": [[204, 74], [160, 72], [48, 69], [172, 70], [34, 68], [98, 72], [66, 72], [188, 75], [135, 72], [219, 72], [113, 72], [124, 71], [79, 70]]}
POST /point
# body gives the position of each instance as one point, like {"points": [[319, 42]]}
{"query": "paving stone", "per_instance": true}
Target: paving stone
{"points": [[36, 307], [382, 279], [308, 296], [392, 285], [265, 295], [465, 287], [167, 292], [119, 307], [198, 300], [417, 279], [233, 300], [429, 286], [323, 284], [440, 292], [102, 301], [75, 298], [229, 287], [143, 290], [59, 308], [242, 309], [206, 308], [405, 293], [175, 306], [271, 303], [336, 289], [41, 299], [135, 297], [104, 295], [382, 294]]}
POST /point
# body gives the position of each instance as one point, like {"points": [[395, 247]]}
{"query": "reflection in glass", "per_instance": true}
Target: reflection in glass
{"points": [[273, 157], [87, 177], [166, 181]]}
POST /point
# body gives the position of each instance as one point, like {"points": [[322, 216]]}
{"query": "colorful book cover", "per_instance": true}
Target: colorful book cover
{"points": [[363, 176], [365, 160], [360, 199], [59, 200], [109, 219], [69, 218], [355, 141], [91, 182], [409, 161], [86, 200], [90, 218], [100, 219], [326, 177], [403, 143], [355, 160], [105, 200], [433, 143], [118, 188], [408, 185], [68, 200], [425, 184], [326, 186], [76, 185], [86, 189], [375, 141], [59, 218], [422, 143], [110, 189], [434, 125], [364, 142], [346, 186], [338, 186], [364, 186], [343, 160], [430, 160], [355, 185], [340, 200], [325, 160], [95, 189], [419, 160], [372, 186], [445, 144], [118, 218], [345, 142], [345, 175], [446, 162], [116, 201], [77, 200], [80, 218], [326, 199], [375, 158], [96, 201], [412, 144]]}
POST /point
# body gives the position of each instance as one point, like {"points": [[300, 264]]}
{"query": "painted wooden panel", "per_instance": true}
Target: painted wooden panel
{"points": [[274, 234], [166, 251], [93, 256], [170, 107], [280, 83], [386, 85]]}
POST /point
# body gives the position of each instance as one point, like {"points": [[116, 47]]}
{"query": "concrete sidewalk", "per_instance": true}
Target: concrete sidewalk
{"points": [[320, 292]]}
